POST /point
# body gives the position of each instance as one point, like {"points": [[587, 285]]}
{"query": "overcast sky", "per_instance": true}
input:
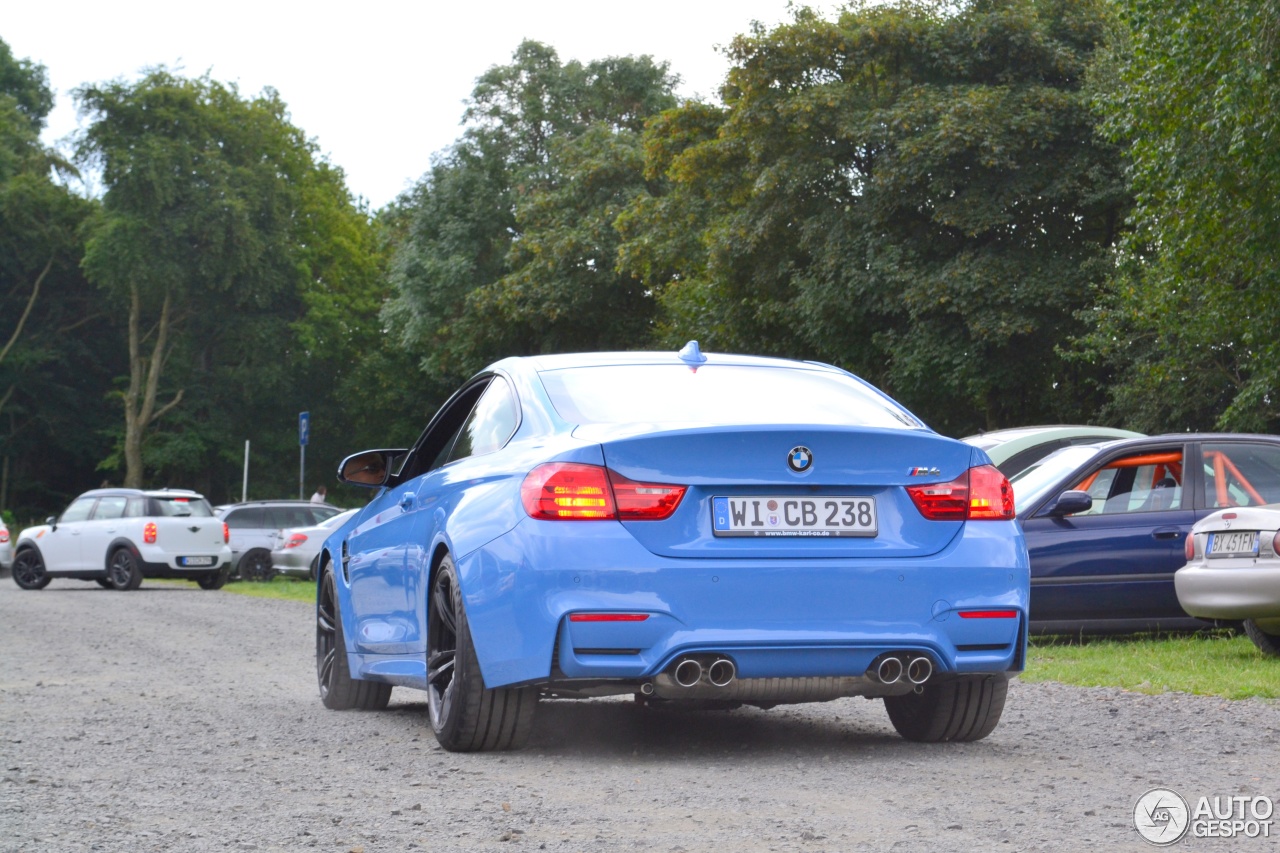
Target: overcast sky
{"points": [[378, 85]]}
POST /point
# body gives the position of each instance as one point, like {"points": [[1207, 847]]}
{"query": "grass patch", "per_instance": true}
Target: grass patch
{"points": [[290, 589], [1212, 664]]}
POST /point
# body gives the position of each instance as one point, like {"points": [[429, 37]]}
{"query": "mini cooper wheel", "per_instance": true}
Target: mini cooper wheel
{"points": [[214, 581], [28, 570], [963, 708], [338, 690], [255, 565], [465, 715], [123, 571], [1268, 644]]}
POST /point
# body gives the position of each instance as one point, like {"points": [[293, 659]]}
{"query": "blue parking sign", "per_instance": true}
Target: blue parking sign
{"points": [[304, 427]]}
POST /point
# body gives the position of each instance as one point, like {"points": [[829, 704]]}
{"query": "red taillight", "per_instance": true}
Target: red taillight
{"points": [[4, 536], [226, 533], [979, 494], [988, 614], [567, 490], [570, 490], [149, 533], [1189, 550], [644, 501], [295, 540]]}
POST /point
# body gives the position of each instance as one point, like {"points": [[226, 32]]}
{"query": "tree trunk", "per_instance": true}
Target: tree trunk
{"points": [[144, 382]]}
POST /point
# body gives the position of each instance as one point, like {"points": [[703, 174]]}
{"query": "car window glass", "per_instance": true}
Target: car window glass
{"points": [[320, 513], [136, 508], [435, 444], [291, 516], [181, 506], [78, 511], [110, 507], [1240, 474], [248, 517], [1140, 482], [490, 423]]}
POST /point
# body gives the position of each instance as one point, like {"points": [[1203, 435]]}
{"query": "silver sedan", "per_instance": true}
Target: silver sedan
{"points": [[1233, 571], [297, 548]]}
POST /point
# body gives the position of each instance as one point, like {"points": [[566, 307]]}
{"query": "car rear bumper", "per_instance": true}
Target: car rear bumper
{"points": [[1245, 592], [787, 618]]}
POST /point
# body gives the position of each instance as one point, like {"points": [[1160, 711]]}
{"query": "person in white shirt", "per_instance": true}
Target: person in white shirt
{"points": [[318, 497]]}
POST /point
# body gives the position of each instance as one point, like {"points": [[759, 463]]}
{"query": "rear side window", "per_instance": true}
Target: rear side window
{"points": [[110, 507], [249, 517], [1241, 474], [291, 516], [490, 423], [137, 508]]}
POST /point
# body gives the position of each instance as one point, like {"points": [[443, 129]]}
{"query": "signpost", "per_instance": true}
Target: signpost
{"points": [[304, 432]]}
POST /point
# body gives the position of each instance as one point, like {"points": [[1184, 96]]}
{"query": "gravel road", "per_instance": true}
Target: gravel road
{"points": [[176, 719]]}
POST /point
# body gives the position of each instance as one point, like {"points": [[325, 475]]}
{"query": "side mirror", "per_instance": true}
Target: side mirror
{"points": [[1069, 502], [371, 468], [52, 521]]}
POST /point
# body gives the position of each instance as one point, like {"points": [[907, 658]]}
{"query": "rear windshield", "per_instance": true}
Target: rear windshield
{"points": [[720, 395], [180, 506]]}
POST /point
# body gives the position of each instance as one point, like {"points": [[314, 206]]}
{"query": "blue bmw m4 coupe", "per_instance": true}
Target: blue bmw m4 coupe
{"points": [[716, 530]]}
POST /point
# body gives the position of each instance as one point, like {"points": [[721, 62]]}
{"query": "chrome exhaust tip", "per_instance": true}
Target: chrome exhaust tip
{"points": [[687, 672], [889, 670], [721, 672], [647, 688], [919, 670]]}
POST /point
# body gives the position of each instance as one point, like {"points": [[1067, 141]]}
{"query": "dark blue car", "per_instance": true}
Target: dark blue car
{"points": [[1106, 524], [683, 527]]}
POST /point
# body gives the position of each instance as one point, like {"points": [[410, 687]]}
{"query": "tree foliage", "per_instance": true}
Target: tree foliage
{"points": [[911, 191], [1192, 92]]}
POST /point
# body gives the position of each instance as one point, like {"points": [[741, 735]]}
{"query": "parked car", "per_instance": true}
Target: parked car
{"points": [[297, 551], [255, 527], [1012, 450], [682, 527], [1233, 570], [1105, 523], [6, 548], [117, 537]]}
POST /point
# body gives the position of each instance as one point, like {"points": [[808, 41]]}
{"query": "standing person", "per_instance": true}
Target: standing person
{"points": [[318, 497]]}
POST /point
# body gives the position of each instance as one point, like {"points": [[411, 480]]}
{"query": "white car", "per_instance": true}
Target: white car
{"points": [[6, 548], [298, 549], [255, 528], [119, 536], [1233, 570]]}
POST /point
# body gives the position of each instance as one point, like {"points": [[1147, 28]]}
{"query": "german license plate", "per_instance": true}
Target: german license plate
{"points": [[1234, 543], [771, 515], [195, 561]]}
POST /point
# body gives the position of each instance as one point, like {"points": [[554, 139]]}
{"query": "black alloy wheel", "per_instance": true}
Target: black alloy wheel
{"points": [[214, 581], [465, 715], [123, 570], [338, 690], [28, 570], [255, 565]]}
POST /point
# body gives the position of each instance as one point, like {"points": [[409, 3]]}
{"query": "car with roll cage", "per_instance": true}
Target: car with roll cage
{"points": [[117, 537], [690, 528]]}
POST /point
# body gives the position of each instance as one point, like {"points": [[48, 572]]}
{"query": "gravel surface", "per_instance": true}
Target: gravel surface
{"points": [[176, 719]]}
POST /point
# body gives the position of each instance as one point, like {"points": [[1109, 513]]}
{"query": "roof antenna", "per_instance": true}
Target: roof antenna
{"points": [[692, 354]]}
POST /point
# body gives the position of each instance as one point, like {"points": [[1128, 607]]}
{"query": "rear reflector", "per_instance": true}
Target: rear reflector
{"points": [[608, 617], [564, 491], [979, 494], [988, 614]]}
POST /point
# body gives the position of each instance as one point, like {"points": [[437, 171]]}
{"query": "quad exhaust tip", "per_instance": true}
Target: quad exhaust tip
{"points": [[893, 666], [919, 670], [687, 672], [889, 670]]}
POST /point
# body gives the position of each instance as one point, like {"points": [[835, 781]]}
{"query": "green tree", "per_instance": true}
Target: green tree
{"points": [[1192, 89], [913, 191], [230, 248], [511, 248]]}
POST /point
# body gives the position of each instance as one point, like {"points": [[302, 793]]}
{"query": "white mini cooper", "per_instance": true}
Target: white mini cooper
{"points": [[119, 536]]}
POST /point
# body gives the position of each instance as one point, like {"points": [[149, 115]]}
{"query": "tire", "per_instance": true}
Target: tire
{"points": [[103, 582], [123, 571], [958, 709], [465, 716], [338, 690], [1268, 644], [255, 565], [315, 568], [29, 571], [214, 581]]}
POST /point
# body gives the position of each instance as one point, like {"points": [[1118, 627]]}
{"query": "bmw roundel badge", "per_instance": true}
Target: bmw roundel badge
{"points": [[800, 459]]}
